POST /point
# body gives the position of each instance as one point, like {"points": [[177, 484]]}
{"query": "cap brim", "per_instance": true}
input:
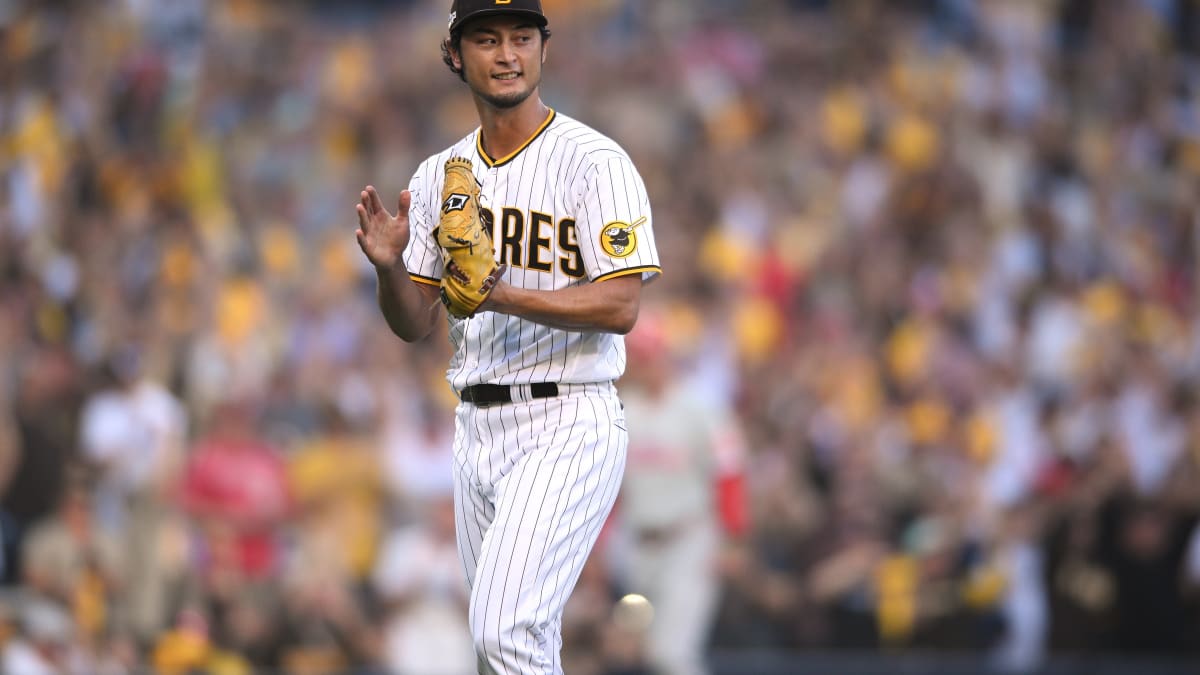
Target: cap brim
{"points": [[540, 19]]}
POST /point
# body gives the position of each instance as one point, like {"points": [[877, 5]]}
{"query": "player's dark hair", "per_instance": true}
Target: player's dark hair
{"points": [[454, 44]]}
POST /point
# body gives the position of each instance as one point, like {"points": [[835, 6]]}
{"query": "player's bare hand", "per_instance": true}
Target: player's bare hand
{"points": [[382, 236]]}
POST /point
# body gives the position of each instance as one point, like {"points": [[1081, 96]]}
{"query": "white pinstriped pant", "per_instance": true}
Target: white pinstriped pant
{"points": [[535, 481]]}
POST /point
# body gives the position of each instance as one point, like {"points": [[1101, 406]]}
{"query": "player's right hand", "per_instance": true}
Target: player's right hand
{"points": [[382, 236]]}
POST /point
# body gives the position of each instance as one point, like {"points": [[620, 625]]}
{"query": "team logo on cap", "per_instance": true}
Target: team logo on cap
{"points": [[619, 239], [453, 16]]}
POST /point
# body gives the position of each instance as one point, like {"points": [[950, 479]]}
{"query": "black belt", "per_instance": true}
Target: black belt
{"points": [[491, 394]]}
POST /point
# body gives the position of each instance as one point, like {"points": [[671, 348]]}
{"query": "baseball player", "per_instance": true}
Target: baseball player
{"points": [[534, 233], [682, 501]]}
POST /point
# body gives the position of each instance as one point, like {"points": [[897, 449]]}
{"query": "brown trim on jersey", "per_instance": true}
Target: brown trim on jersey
{"points": [[428, 281], [626, 271], [512, 155]]}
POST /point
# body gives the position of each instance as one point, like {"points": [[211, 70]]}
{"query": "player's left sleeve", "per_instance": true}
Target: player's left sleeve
{"points": [[614, 224]]}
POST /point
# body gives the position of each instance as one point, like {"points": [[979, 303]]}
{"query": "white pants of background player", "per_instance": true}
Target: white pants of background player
{"points": [[535, 481], [677, 574]]}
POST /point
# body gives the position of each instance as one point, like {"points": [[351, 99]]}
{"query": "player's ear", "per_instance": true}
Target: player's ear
{"points": [[451, 53]]}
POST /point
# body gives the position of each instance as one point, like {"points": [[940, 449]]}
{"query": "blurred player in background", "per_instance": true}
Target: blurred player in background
{"points": [[683, 494]]}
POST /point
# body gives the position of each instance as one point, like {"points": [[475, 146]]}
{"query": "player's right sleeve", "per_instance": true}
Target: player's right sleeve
{"points": [[422, 258]]}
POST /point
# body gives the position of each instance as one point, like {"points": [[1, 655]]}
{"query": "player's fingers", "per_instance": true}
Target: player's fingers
{"points": [[363, 221], [364, 203], [405, 202], [376, 204]]}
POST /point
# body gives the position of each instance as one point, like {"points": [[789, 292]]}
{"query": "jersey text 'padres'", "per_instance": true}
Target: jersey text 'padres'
{"points": [[567, 207]]}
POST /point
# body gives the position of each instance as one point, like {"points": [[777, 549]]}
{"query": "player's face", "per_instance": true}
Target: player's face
{"points": [[502, 59]]}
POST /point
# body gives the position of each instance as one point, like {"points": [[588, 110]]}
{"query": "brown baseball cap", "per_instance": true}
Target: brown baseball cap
{"points": [[462, 10]]}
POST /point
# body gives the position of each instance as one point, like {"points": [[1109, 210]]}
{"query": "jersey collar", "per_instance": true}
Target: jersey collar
{"points": [[512, 155]]}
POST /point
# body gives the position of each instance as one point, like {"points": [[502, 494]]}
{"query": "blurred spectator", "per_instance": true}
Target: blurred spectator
{"points": [[235, 494], [132, 430], [132, 433], [46, 410], [323, 627], [1142, 545], [71, 560], [9, 457], [45, 644], [419, 580], [334, 480], [417, 454], [235, 489]]}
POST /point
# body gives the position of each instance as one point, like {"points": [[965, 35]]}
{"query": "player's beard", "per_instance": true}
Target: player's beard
{"points": [[506, 101]]}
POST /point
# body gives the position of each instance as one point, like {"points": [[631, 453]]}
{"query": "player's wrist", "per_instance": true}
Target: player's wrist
{"points": [[390, 265], [498, 299]]}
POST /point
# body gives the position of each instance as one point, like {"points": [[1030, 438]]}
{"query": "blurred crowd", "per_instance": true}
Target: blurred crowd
{"points": [[938, 258]]}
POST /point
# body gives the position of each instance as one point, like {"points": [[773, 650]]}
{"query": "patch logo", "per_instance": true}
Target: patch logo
{"points": [[455, 202], [453, 16], [619, 239]]}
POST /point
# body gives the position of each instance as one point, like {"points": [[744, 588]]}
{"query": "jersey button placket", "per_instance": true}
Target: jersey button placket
{"points": [[487, 193], [486, 183]]}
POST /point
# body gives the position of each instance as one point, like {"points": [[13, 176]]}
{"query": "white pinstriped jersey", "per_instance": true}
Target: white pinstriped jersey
{"points": [[567, 207]]}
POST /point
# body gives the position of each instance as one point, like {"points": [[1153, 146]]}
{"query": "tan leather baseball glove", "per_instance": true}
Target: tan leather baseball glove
{"points": [[470, 261]]}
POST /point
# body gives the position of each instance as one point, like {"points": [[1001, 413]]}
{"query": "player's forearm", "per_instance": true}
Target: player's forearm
{"points": [[607, 306], [408, 311]]}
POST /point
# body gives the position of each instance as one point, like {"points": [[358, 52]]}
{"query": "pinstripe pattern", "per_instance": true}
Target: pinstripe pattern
{"points": [[535, 482], [535, 479], [566, 172]]}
